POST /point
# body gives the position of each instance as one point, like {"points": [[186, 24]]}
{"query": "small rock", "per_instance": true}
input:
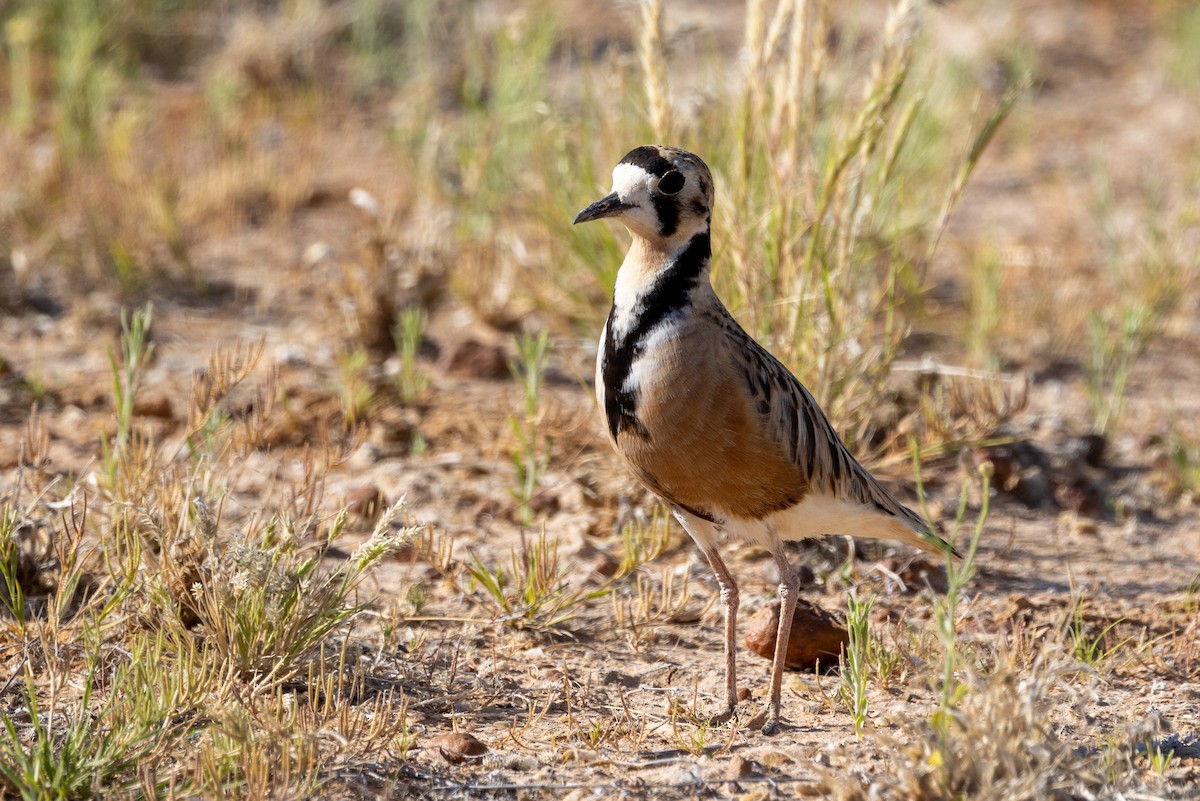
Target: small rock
{"points": [[1083, 499], [488, 509], [457, 748], [366, 501], [153, 404], [473, 359], [317, 253], [1032, 488], [739, 768], [816, 635], [392, 433], [1019, 608], [544, 503], [1091, 448], [598, 560], [619, 679], [365, 201]]}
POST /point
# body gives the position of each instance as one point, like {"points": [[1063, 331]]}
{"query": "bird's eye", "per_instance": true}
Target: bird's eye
{"points": [[671, 183]]}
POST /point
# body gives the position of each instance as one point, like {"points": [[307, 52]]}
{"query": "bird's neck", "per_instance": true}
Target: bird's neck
{"points": [[657, 279]]}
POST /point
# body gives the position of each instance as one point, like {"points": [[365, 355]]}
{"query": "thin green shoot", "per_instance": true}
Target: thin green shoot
{"points": [[959, 572], [855, 660], [532, 454], [411, 381], [536, 592], [1093, 650], [129, 369], [1160, 760]]}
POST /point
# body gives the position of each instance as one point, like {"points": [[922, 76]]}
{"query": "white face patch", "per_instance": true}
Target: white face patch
{"points": [[634, 185], [630, 180]]}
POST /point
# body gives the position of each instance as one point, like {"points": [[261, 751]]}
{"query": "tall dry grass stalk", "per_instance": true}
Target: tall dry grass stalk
{"points": [[820, 246], [652, 54], [827, 207]]}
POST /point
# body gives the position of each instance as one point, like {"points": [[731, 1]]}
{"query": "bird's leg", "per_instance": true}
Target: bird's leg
{"points": [[729, 598], [787, 610], [704, 533]]}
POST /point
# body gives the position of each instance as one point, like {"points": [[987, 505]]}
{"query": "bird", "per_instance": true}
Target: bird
{"points": [[707, 418]]}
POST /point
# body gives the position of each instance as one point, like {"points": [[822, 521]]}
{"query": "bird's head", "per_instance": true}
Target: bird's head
{"points": [[661, 194]]}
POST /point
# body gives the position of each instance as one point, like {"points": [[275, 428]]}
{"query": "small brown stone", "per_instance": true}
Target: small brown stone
{"points": [[366, 502], [393, 430], [1019, 608], [153, 404], [544, 503], [1084, 499], [598, 560], [457, 748], [1092, 448], [1033, 489], [488, 509], [551, 677], [740, 768], [473, 359], [816, 635]]}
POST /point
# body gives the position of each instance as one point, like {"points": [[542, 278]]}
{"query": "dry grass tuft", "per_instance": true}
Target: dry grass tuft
{"points": [[999, 743], [1002, 741], [293, 45]]}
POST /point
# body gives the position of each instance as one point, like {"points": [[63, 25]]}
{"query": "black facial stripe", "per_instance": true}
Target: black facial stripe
{"points": [[668, 295], [667, 210], [666, 207], [649, 159]]}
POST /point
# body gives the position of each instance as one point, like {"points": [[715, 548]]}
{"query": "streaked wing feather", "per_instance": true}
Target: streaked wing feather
{"points": [[803, 431]]}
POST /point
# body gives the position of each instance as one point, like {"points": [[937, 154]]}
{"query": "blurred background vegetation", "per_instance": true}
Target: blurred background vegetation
{"points": [[145, 139]]}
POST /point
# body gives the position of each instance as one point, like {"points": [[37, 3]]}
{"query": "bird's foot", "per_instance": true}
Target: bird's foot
{"points": [[771, 726]]}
